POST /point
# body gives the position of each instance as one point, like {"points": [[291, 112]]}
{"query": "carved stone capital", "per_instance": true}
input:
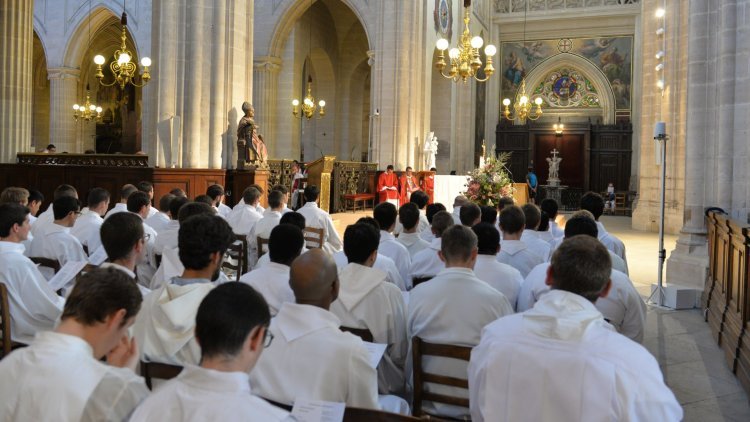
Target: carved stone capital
{"points": [[267, 64], [63, 73]]}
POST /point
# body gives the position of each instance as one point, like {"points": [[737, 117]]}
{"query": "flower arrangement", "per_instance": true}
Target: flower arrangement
{"points": [[490, 182]]}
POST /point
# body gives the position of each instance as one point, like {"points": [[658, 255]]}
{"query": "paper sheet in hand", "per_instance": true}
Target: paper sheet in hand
{"points": [[317, 411], [66, 274], [98, 257], [375, 350]]}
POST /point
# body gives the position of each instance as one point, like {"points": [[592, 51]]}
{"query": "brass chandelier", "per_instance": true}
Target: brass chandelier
{"points": [[522, 106], [87, 112], [464, 59], [308, 104], [123, 68]]}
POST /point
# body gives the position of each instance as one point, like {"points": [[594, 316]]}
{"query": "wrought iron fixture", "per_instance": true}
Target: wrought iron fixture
{"points": [[308, 104], [464, 59], [123, 68]]}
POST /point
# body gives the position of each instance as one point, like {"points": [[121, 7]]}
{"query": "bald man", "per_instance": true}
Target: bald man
{"points": [[309, 356]]}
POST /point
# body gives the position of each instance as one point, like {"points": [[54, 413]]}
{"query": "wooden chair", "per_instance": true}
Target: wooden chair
{"points": [[419, 280], [238, 253], [362, 333], [356, 414], [314, 237], [46, 262], [621, 204], [421, 348], [162, 371], [8, 344], [261, 242], [157, 257]]}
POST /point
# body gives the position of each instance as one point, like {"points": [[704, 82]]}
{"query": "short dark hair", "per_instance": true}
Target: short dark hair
{"points": [[581, 265], [505, 201], [550, 206], [543, 222], [35, 195], [100, 293], [457, 243], [97, 196], [408, 215], [178, 192], [469, 213], [127, 190], [138, 200], [420, 198], [64, 205], [50, 146], [11, 213], [488, 238], [165, 201], [285, 243], [120, 232], [250, 195], [293, 218], [385, 214], [369, 220], [275, 198], [199, 237], [145, 186], [205, 199], [281, 188], [257, 186], [593, 203], [194, 208], [389, 167], [311, 193], [433, 209], [581, 225], [360, 241], [214, 191], [64, 190], [227, 316], [408, 168], [532, 215], [176, 205], [512, 219], [489, 214], [440, 222]]}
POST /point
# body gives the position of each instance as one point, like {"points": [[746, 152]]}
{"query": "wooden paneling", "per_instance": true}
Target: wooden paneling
{"points": [[571, 148], [193, 181], [611, 152], [514, 139]]}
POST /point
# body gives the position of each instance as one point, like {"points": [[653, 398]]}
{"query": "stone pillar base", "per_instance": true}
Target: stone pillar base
{"points": [[687, 265]]}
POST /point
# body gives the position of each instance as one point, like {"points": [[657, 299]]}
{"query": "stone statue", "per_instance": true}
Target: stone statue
{"points": [[554, 168], [430, 150], [250, 145]]}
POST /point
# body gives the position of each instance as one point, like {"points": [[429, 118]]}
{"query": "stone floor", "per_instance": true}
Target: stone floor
{"points": [[692, 363]]}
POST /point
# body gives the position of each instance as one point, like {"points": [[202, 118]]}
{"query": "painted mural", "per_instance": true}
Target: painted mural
{"points": [[613, 55]]}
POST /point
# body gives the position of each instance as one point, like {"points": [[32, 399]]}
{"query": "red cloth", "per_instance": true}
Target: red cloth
{"points": [[407, 187], [428, 186], [386, 180]]}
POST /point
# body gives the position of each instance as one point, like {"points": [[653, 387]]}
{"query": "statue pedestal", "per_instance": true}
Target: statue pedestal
{"points": [[241, 179], [554, 192], [553, 182]]}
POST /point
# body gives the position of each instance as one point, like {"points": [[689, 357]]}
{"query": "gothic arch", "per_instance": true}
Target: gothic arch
{"points": [[78, 42], [593, 73]]}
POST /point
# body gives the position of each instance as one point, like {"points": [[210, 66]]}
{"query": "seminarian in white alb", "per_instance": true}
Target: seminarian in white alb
{"points": [[374, 210]]}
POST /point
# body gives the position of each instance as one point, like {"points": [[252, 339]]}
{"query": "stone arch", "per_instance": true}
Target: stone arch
{"points": [[593, 73], [295, 10], [318, 134], [78, 42]]}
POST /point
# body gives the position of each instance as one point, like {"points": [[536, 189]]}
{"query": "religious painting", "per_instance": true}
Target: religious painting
{"points": [[567, 87], [612, 55], [443, 15]]}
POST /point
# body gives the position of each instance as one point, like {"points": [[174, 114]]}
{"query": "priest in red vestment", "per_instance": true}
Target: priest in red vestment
{"points": [[388, 186], [428, 185], [408, 185]]}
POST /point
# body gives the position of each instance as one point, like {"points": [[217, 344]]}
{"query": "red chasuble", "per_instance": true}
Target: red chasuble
{"points": [[385, 183], [408, 185]]}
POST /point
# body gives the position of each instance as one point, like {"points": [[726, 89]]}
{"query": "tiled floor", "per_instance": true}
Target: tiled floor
{"points": [[692, 364]]}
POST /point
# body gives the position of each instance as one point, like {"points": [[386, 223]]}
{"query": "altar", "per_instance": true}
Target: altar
{"points": [[447, 188]]}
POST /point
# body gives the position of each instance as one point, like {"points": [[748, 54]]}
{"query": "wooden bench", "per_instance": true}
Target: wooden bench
{"points": [[351, 200]]}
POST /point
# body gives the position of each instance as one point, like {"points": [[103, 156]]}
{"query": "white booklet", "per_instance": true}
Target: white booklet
{"points": [[98, 257], [305, 410], [66, 274], [375, 350]]}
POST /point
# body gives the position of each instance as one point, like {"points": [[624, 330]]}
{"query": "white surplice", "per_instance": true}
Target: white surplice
{"points": [[168, 237], [535, 244], [199, 394], [427, 235], [272, 281], [148, 267], [518, 255], [382, 263], [223, 210], [158, 221], [366, 300], [563, 351], [47, 217], [391, 248], [119, 207], [164, 328], [504, 278], [56, 242], [427, 263], [57, 378], [457, 216], [242, 219], [413, 243], [262, 228], [144, 290], [623, 307], [34, 307], [611, 242], [452, 308], [317, 218], [86, 230], [310, 357], [555, 229]]}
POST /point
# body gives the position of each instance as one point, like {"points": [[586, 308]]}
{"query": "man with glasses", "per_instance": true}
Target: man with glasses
{"points": [[165, 326], [232, 330]]}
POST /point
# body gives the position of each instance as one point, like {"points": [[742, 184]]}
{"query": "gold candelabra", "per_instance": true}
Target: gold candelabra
{"points": [[464, 59], [123, 68], [308, 104], [87, 111], [522, 107]]}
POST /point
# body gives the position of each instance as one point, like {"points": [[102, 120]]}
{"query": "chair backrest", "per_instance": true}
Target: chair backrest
{"points": [[419, 280], [286, 407], [162, 371], [5, 315], [86, 250], [46, 262], [262, 246], [157, 257], [237, 252], [356, 414], [362, 333], [314, 237], [421, 348]]}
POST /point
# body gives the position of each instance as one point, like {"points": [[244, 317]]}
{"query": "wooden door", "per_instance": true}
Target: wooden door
{"points": [[571, 150]]}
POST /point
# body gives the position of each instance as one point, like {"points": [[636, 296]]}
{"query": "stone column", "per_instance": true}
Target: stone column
{"points": [[265, 92], [192, 151], [63, 94], [166, 152], [16, 51], [217, 124]]}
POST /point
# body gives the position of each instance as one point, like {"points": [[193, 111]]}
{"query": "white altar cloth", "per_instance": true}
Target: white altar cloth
{"points": [[447, 188]]}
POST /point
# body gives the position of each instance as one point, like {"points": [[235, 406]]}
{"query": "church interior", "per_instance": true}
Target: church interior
{"points": [[643, 102]]}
